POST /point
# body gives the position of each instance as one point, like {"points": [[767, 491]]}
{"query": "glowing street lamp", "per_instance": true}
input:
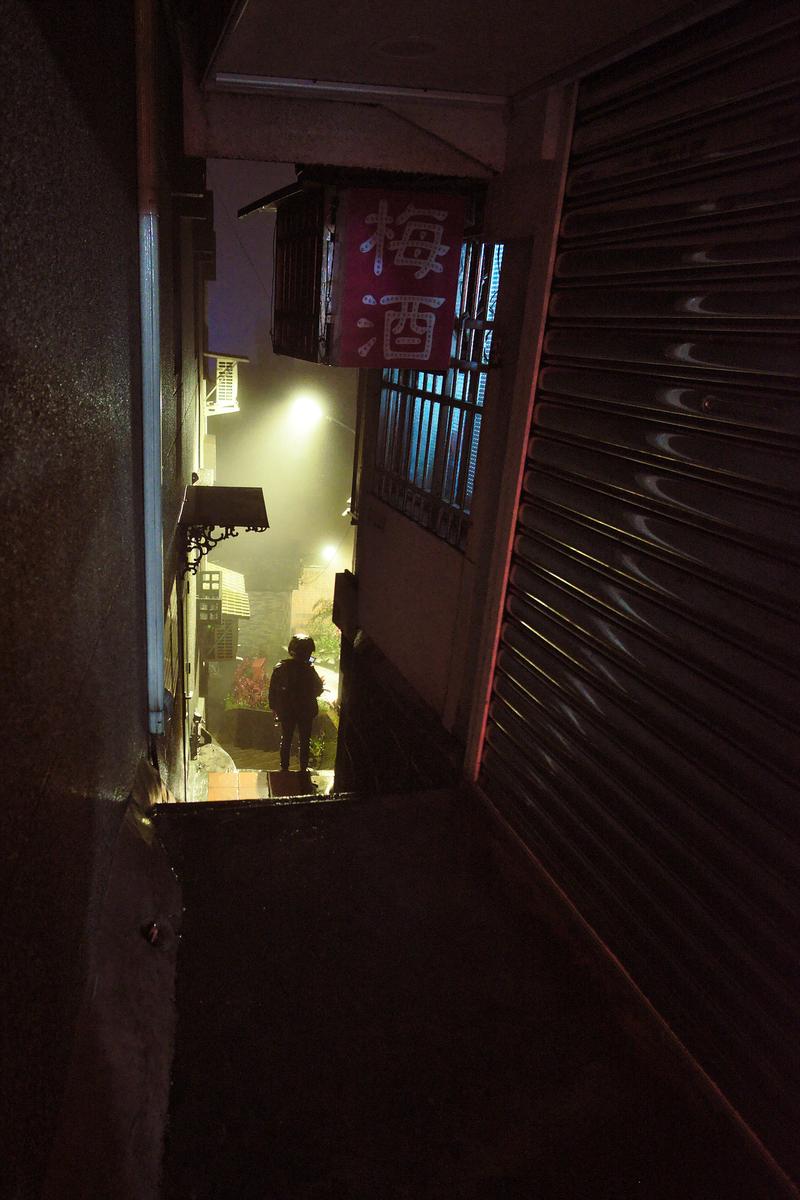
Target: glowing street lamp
{"points": [[305, 413]]}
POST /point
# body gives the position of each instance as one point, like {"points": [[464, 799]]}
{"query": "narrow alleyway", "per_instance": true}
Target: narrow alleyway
{"points": [[369, 1010]]}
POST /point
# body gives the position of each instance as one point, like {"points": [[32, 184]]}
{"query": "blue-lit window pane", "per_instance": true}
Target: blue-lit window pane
{"points": [[453, 460], [429, 422], [431, 432], [473, 461], [479, 398]]}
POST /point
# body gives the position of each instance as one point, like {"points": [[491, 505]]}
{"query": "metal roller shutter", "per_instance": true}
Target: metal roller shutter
{"points": [[643, 728]]}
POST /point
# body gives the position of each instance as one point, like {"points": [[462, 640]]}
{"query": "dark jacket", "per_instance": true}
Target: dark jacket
{"points": [[293, 689]]}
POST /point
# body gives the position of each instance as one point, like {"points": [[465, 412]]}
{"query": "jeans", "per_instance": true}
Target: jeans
{"points": [[288, 725]]}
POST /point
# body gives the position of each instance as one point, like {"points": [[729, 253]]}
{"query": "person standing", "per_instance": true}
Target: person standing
{"points": [[293, 690]]}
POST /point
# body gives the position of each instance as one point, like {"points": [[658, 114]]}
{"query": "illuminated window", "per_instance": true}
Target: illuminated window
{"points": [[430, 422]]}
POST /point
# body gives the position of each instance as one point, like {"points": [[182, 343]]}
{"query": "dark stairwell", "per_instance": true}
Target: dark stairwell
{"points": [[378, 1001]]}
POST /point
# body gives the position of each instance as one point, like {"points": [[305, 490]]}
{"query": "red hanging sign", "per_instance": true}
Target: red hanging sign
{"points": [[396, 278]]}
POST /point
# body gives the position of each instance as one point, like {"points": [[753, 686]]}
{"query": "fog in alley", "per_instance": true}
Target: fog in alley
{"points": [[302, 457], [293, 437]]}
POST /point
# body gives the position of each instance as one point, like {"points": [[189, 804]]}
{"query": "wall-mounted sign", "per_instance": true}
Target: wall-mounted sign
{"points": [[396, 278]]}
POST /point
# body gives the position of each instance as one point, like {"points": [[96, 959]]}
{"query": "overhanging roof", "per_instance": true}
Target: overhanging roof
{"points": [[227, 507]]}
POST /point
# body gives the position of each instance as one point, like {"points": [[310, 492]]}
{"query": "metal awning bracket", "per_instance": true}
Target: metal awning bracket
{"points": [[208, 509]]}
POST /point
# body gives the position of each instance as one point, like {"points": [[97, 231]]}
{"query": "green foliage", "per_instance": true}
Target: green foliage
{"points": [[316, 747], [324, 632]]}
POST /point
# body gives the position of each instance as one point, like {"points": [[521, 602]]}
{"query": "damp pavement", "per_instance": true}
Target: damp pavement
{"points": [[369, 1009]]}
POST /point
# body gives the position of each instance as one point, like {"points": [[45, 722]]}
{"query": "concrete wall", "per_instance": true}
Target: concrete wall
{"points": [[401, 137], [523, 209], [74, 702], [520, 198], [409, 585]]}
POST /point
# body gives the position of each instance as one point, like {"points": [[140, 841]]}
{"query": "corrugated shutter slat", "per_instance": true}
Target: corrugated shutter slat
{"points": [[643, 732]]}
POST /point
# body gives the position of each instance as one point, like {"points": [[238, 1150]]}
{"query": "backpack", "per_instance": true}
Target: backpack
{"points": [[293, 689]]}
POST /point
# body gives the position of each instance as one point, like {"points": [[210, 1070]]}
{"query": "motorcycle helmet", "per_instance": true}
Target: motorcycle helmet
{"points": [[301, 646]]}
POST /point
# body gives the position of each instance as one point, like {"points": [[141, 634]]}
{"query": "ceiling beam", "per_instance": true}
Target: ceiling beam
{"points": [[322, 89], [266, 128]]}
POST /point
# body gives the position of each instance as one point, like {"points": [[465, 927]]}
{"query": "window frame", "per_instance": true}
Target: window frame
{"points": [[429, 422]]}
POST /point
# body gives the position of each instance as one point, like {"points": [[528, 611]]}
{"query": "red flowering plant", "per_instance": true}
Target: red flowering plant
{"points": [[250, 685]]}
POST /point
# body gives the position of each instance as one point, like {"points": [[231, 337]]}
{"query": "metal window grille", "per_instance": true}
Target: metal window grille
{"points": [[300, 252], [430, 422]]}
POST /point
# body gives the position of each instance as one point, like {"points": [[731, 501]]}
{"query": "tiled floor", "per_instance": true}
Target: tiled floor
{"points": [[267, 785], [238, 785]]}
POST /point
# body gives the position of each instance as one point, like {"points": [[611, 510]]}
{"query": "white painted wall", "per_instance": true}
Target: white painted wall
{"points": [[409, 586]]}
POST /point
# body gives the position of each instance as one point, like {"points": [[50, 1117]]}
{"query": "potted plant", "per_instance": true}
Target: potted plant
{"points": [[250, 722]]}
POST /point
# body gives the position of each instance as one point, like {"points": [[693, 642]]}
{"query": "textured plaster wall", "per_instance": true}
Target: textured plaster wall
{"points": [[108, 1142], [73, 702]]}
